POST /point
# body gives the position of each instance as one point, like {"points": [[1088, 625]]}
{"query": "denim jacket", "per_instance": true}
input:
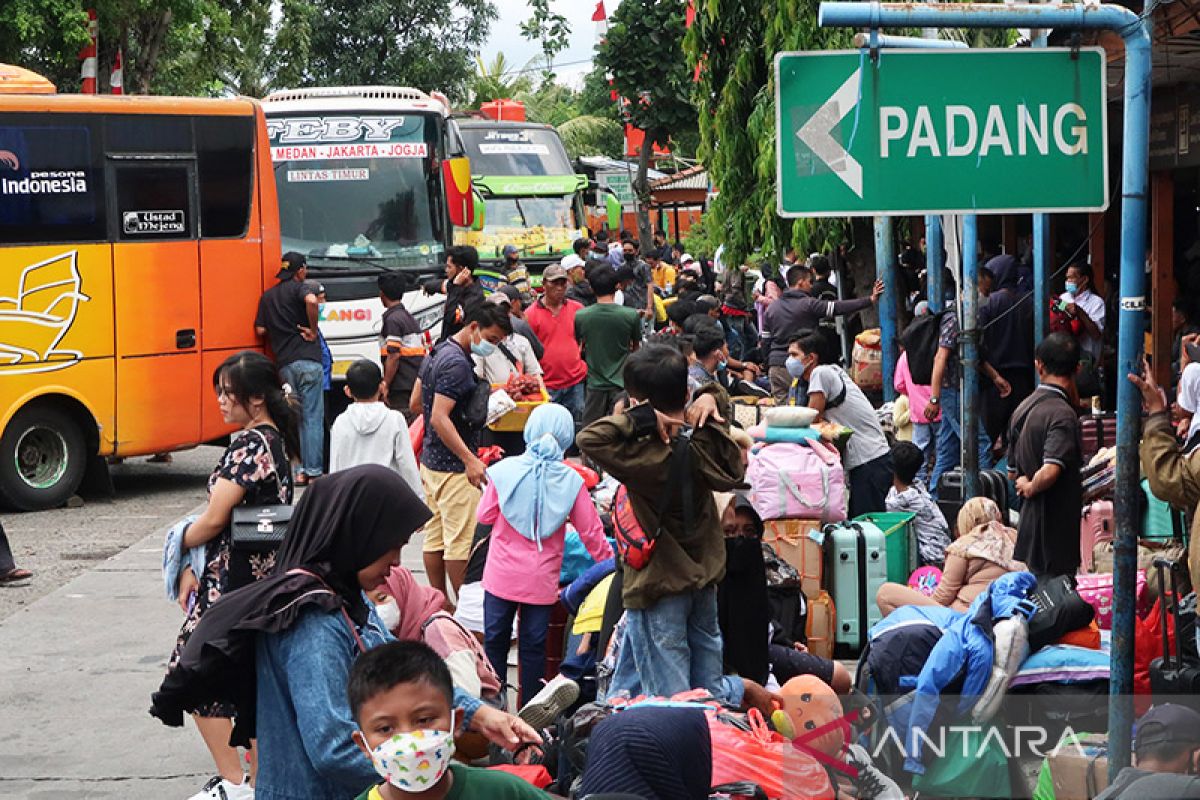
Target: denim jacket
{"points": [[304, 725]]}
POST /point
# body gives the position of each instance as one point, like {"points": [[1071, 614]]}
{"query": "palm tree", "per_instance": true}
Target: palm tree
{"points": [[498, 80]]}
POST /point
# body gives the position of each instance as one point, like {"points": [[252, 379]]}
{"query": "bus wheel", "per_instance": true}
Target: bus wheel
{"points": [[42, 459]]}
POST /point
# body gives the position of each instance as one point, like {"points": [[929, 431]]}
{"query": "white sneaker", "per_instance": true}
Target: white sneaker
{"points": [[554, 698], [871, 783], [220, 789]]}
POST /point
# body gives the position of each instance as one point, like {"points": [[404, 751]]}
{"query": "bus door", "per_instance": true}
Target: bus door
{"points": [[156, 298]]}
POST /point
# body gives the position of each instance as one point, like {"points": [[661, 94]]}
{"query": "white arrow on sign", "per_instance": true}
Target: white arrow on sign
{"points": [[817, 133]]}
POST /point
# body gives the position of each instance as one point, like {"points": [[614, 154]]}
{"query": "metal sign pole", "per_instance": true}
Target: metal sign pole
{"points": [[1135, 29]]}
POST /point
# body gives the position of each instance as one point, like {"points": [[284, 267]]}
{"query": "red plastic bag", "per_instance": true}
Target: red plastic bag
{"points": [[534, 774], [1147, 646], [416, 434], [766, 758], [590, 478]]}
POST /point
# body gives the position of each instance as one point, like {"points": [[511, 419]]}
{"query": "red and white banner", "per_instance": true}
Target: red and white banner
{"points": [[116, 78], [600, 17], [87, 70]]}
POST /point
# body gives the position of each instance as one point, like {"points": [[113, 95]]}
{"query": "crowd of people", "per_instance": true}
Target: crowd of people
{"points": [[314, 665]]}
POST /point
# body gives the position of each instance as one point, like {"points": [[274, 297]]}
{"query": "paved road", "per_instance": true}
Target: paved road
{"points": [[87, 641], [58, 545]]}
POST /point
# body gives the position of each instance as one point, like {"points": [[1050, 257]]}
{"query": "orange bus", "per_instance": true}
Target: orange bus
{"points": [[136, 236]]}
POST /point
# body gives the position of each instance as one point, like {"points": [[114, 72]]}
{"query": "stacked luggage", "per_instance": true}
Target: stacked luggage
{"points": [[799, 491]]}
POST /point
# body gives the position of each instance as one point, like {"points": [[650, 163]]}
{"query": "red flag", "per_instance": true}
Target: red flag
{"points": [[116, 80], [691, 13], [87, 70], [599, 15]]}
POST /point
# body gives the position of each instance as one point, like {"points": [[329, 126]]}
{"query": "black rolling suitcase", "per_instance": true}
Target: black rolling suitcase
{"points": [[992, 483], [1175, 679]]}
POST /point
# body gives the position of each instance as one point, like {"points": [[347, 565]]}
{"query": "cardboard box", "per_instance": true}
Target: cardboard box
{"points": [[1080, 773], [790, 540], [822, 625]]}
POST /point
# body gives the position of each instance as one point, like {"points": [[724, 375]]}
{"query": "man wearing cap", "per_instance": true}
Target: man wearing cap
{"points": [[513, 270], [287, 319], [518, 301], [578, 289], [552, 318], [1166, 750]]}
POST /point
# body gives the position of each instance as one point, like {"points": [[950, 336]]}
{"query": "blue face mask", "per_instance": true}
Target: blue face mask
{"points": [[722, 364], [795, 367], [483, 348], [1072, 287]]}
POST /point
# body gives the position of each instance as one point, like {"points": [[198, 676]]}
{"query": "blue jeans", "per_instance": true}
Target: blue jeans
{"points": [[570, 398], [949, 439], [673, 646], [925, 438], [498, 616], [306, 378]]}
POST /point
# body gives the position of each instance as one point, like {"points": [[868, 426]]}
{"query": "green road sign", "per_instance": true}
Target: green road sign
{"points": [[941, 131]]}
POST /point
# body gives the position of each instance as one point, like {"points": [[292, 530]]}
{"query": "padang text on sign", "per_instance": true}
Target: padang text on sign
{"points": [[1031, 130]]}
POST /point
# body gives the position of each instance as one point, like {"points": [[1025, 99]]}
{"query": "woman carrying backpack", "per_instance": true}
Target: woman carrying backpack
{"points": [[528, 500]]}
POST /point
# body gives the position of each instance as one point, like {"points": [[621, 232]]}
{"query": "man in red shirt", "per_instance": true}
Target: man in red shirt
{"points": [[552, 318]]}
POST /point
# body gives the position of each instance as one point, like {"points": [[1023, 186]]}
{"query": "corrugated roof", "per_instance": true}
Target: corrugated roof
{"points": [[691, 178]]}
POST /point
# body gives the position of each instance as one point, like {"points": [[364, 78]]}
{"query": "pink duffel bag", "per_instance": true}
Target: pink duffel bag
{"points": [[798, 481], [1097, 589]]}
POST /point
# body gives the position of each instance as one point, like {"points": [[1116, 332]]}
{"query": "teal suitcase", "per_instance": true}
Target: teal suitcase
{"points": [[1161, 522], [856, 566]]}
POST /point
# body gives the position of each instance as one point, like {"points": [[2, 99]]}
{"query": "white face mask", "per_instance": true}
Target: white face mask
{"points": [[415, 761], [389, 614]]}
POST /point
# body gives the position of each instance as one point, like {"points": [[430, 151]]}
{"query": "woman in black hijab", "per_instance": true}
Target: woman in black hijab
{"points": [[742, 608], [280, 650]]}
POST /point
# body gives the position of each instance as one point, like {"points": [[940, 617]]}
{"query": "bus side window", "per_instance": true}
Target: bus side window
{"points": [[225, 165], [51, 179], [153, 202]]}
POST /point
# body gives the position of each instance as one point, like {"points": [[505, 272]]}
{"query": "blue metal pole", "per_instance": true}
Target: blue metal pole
{"points": [[1135, 30], [934, 263], [1041, 275], [885, 270], [968, 400], [1041, 245], [1134, 183]]}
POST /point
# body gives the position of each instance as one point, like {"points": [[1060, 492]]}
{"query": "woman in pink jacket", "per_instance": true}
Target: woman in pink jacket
{"points": [[528, 501], [924, 433]]}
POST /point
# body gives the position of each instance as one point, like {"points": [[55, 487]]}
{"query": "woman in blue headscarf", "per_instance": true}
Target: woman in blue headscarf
{"points": [[528, 500]]}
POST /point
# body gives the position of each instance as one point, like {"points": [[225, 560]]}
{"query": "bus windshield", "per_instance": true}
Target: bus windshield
{"points": [[504, 213], [355, 188], [515, 151]]}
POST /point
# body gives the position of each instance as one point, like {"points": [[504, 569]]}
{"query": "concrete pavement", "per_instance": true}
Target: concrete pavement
{"points": [[77, 668]]}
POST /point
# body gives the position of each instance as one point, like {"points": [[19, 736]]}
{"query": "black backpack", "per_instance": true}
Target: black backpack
{"points": [[920, 340]]}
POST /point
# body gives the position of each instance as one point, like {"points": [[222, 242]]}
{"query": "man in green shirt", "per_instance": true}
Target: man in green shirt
{"points": [[608, 333]]}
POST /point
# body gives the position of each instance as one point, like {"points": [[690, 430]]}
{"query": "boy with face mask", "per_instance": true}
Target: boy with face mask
{"points": [[837, 398], [401, 696]]}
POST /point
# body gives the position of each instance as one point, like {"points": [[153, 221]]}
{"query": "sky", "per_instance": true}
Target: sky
{"points": [[506, 36]]}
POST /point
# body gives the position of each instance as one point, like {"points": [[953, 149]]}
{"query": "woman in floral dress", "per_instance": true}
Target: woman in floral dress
{"points": [[253, 471]]}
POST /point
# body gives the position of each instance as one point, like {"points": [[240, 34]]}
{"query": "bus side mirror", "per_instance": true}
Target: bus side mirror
{"points": [[612, 207], [460, 194], [480, 210]]}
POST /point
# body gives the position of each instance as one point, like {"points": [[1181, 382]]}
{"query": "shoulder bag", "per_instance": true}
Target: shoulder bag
{"points": [[261, 528]]}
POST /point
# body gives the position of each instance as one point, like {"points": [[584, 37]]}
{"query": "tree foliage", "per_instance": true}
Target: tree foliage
{"points": [[551, 29], [498, 80], [735, 45], [426, 44], [592, 136], [639, 52]]}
